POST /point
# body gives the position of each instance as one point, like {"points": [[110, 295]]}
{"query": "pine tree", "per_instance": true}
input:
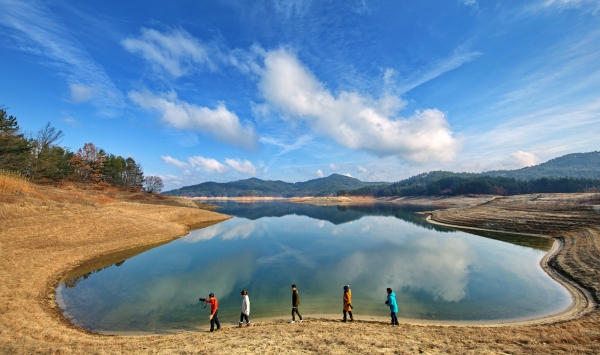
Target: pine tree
{"points": [[14, 147]]}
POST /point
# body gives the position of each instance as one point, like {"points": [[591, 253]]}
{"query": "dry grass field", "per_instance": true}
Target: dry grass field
{"points": [[45, 232]]}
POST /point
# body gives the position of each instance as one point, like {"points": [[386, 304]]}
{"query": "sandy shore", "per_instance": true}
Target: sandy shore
{"points": [[444, 201], [41, 240], [453, 201]]}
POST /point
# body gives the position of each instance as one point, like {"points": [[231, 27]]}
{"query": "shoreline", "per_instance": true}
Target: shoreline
{"points": [[582, 302]]}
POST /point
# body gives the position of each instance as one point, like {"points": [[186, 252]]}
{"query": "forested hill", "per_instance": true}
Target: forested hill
{"points": [[576, 165], [257, 187], [570, 173]]}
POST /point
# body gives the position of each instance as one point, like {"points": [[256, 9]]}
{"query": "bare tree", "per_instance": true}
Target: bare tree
{"points": [[153, 184], [46, 138]]}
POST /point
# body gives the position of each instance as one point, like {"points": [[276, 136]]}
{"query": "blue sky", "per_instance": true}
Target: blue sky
{"points": [[293, 90]]}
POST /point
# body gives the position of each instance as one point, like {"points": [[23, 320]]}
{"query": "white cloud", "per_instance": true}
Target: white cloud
{"points": [[219, 122], [243, 167], [348, 175], [36, 30], [334, 167], [208, 164], [292, 7], [458, 58], [362, 169], [285, 145], [522, 159], [470, 3], [570, 3], [172, 161], [319, 173], [82, 93], [211, 165], [175, 52], [352, 120]]}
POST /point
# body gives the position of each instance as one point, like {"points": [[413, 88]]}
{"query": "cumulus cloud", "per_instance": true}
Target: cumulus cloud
{"points": [[243, 167], [175, 52], [334, 167], [207, 164], [353, 120], [520, 159], [219, 122], [172, 161], [319, 173], [210, 165]]}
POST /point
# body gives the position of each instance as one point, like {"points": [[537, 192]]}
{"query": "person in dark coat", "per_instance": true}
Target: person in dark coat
{"points": [[295, 304]]}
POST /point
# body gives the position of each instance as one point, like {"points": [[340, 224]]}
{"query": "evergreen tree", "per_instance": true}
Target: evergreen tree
{"points": [[132, 176], [14, 147]]}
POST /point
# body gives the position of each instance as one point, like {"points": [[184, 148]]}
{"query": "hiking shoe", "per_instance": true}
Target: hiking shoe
{"points": [[301, 320], [240, 325], [248, 324], [292, 322]]}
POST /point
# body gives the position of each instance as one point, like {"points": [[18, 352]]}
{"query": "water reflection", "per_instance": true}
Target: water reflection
{"points": [[445, 277], [434, 273]]}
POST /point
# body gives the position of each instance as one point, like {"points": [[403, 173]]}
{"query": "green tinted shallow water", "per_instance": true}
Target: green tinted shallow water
{"points": [[437, 273]]}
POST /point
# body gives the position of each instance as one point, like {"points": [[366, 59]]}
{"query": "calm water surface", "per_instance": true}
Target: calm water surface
{"points": [[437, 273]]}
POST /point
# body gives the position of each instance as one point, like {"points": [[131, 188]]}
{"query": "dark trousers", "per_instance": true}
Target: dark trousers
{"points": [[394, 318], [350, 313], [295, 310], [214, 321], [242, 316]]}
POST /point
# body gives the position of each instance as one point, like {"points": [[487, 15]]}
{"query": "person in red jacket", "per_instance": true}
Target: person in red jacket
{"points": [[214, 308]]}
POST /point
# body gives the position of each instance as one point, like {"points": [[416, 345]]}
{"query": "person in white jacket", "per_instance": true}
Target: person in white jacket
{"points": [[245, 309]]}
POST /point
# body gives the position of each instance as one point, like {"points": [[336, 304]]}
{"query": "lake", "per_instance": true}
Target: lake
{"points": [[437, 273]]}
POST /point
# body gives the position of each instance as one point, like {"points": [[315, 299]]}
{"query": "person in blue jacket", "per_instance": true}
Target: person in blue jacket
{"points": [[391, 302]]}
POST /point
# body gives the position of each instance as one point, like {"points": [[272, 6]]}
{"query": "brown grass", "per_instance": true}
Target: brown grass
{"points": [[45, 234], [11, 182]]}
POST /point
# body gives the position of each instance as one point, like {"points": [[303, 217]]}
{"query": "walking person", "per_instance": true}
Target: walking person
{"points": [[245, 309], [214, 308], [391, 302], [295, 304], [348, 303]]}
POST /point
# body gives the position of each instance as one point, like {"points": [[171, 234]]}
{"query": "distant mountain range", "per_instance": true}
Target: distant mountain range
{"points": [[576, 165], [256, 187]]}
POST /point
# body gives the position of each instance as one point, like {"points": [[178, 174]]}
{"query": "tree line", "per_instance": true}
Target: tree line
{"points": [[40, 158], [451, 184]]}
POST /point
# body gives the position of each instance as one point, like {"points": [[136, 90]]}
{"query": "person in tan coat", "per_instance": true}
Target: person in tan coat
{"points": [[348, 303]]}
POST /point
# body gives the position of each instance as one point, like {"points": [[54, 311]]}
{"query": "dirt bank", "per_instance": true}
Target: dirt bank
{"points": [[43, 238]]}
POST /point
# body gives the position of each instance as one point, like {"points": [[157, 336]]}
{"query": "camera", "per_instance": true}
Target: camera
{"points": [[387, 302], [202, 299]]}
